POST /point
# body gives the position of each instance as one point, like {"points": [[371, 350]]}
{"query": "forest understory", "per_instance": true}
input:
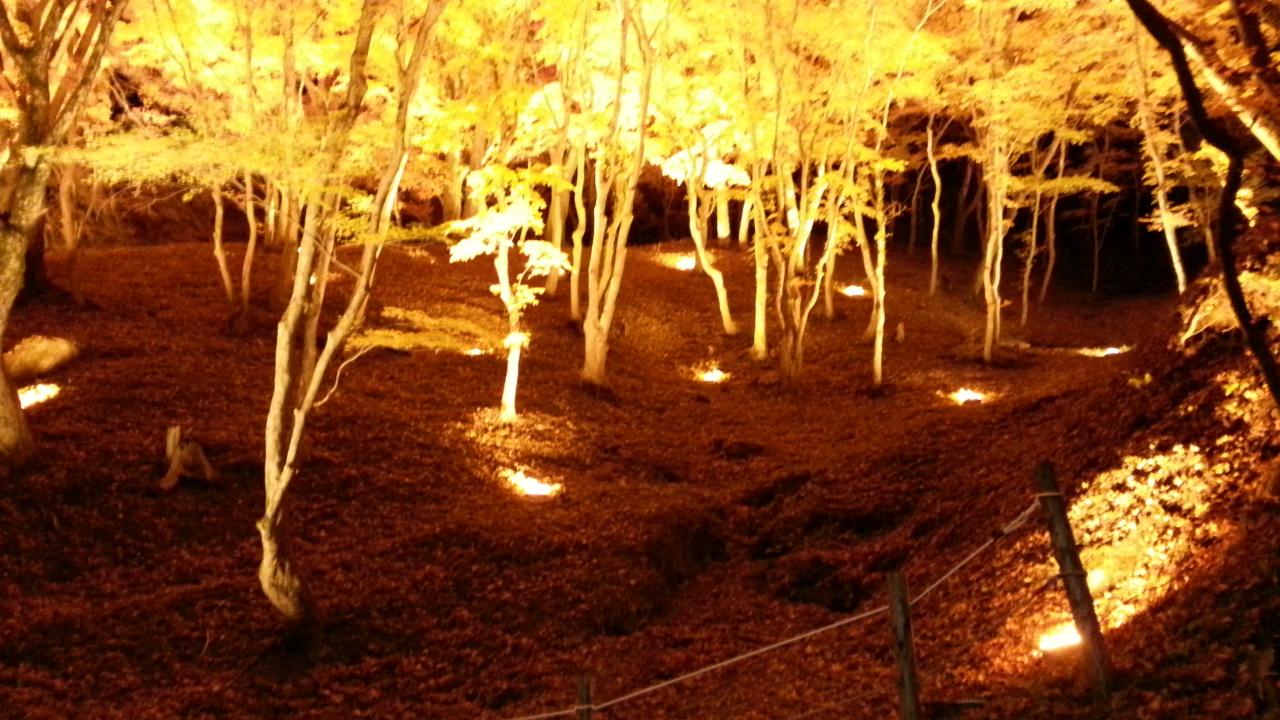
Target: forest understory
{"points": [[697, 520]]}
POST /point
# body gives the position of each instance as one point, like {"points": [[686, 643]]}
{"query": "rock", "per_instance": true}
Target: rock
{"points": [[38, 355]]}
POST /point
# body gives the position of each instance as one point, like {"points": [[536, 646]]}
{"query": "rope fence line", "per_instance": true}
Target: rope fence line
{"points": [[1006, 530], [1013, 525]]}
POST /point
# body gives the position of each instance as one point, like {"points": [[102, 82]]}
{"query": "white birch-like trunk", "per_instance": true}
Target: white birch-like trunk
{"points": [[936, 206], [700, 247], [1033, 248], [760, 337], [220, 252], [744, 223], [724, 231], [246, 266], [997, 189]]}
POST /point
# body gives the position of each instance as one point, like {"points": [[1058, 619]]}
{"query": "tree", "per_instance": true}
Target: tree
{"points": [[299, 372], [53, 52], [1255, 332], [510, 208], [619, 156]]}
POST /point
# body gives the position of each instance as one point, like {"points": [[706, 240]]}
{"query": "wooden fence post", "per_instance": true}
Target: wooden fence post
{"points": [[1074, 578], [904, 648], [584, 698]]}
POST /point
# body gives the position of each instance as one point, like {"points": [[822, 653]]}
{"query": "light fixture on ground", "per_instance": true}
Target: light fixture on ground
{"points": [[714, 375], [686, 263], [475, 351], [1062, 636], [853, 290], [35, 394], [1103, 352], [525, 485], [965, 396]]}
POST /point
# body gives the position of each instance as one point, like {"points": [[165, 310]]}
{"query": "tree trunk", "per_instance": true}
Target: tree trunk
{"points": [[246, 267], [579, 232], [744, 223], [609, 249], [700, 246], [1096, 238], [219, 252], [16, 444], [1033, 248], [557, 211], [1051, 229], [295, 347], [963, 208], [829, 273], [936, 206], [515, 339], [724, 232], [882, 248], [759, 337], [997, 184], [914, 226]]}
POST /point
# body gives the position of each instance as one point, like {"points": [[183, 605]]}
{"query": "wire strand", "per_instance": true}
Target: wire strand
{"points": [[1013, 525]]}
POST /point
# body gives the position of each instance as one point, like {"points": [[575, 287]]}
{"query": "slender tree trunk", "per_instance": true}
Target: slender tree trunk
{"points": [[557, 211], [724, 231], [869, 269], [515, 339], [936, 207], [882, 247], [1051, 229], [1033, 248], [759, 337], [829, 273], [1096, 237], [246, 268], [609, 255], [997, 184], [288, 411], [579, 232], [963, 208], [744, 223], [220, 252], [914, 227], [699, 244]]}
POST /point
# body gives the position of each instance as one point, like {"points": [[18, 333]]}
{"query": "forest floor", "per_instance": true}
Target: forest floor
{"points": [[697, 521]]}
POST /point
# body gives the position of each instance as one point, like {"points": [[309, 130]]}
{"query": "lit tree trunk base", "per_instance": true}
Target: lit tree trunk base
{"points": [[596, 350], [283, 586]]}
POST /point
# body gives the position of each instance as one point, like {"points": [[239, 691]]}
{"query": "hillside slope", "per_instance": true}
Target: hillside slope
{"points": [[698, 521]]}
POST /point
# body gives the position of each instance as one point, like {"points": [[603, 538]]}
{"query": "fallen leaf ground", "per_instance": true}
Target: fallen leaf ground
{"points": [[698, 521]]}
